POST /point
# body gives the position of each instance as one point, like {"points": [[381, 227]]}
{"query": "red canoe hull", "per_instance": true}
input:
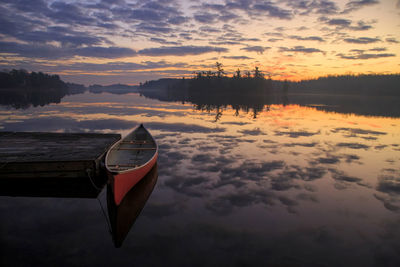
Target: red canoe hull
{"points": [[121, 183]]}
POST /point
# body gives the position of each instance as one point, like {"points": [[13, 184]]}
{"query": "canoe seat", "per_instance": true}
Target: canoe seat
{"points": [[136, 148], [135, 142], [123, 165]]}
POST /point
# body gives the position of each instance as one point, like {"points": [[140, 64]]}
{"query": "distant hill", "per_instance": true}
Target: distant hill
{"points": [[114, 88], [74, 88]]}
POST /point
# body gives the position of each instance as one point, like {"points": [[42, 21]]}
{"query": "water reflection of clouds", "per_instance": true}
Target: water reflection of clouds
{"points": [[388, 202], [389, 182], [158, 211], [303, 246], [182, 127], [356, 132], [312, 144], [254, 132], [242, 183], [48, 221], [231, 170], [296, 134], [353, 145], [189, 186]]}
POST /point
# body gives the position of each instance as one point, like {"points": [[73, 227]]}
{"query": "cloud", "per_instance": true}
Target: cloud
{"points": [[253, 9], [54, 52], [306, 7], [362, 40], [301, 49], [209, 29], [360, 26], [206, 18], [66, 37], [273, 11], [119, 66], [369, 56], [163, 41], [257, 49], [34, 51], [339, 22], [154, 29], [272, 40], [41, 25], [237, 57], [360, 54], [358, 4], [180, 50], [69, 13], [347, 24], [378, 49], [308, 38], [217, 14], [105, 52], [392, 40]]}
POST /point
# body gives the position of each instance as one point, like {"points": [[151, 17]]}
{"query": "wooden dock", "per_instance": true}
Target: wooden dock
{"points": [[53, 164]]}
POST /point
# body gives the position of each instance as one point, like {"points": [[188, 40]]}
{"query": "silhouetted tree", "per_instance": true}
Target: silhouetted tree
{"points": [[257, 73], [210, 74], [238, 75], [220, 70]]}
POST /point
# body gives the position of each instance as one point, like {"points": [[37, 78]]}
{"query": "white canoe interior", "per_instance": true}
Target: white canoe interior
{"points": [[135, 150]]}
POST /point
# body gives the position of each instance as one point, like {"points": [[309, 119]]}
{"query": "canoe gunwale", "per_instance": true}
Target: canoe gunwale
{"points": [[114, 172]]}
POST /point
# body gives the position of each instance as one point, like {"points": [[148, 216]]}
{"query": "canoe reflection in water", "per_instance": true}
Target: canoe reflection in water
{"points": [[123, 216]]}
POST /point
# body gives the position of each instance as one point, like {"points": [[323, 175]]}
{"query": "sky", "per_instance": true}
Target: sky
{"points": [[123, 41]]}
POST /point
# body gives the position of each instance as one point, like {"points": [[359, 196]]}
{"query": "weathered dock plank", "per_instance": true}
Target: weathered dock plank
{"points": [[39, 147], [52, 164]]}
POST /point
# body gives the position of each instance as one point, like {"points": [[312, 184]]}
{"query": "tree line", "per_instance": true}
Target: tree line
{"points": [[220, 73], [21, 89], [34, 80]]}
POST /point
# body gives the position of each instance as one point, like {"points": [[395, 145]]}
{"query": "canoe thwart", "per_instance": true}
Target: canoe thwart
{"points": [[134, 142], [123, 165], [136, 148]]}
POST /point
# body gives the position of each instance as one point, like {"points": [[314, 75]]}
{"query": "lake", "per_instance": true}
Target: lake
{"points": [[288, 185]]}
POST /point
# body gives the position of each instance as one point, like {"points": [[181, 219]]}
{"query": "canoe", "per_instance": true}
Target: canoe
{"points": [[129, 160], [123, 216]]}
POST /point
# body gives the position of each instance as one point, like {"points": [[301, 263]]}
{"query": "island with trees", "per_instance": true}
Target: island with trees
{"points": [[368, 94], [21, 89]]}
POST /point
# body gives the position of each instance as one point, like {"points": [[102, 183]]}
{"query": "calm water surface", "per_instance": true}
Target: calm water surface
{"points": [[295, 186]]}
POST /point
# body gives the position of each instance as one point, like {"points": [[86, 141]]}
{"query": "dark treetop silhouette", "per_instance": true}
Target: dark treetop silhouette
{"points": [[21, 89], [213, 91]]}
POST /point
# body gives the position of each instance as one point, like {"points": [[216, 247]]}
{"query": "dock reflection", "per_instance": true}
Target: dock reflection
{"points": [[122, 217]]}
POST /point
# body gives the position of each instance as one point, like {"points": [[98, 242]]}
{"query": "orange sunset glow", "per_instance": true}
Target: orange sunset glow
{"points": [[129, 42]]}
